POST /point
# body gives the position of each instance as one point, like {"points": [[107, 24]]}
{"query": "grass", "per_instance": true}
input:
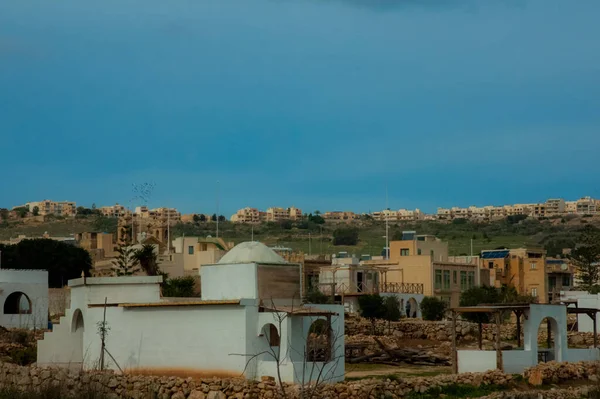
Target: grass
{"points": [[456, 391]]}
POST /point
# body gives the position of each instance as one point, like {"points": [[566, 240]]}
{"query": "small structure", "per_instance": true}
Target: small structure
{"points": [[517, 360], [24, 296], [248, 322]]}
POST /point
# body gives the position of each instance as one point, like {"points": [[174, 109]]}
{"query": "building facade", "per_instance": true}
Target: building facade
{"points": [[48, 207]]}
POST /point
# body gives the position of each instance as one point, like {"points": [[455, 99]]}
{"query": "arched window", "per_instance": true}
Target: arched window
{"points": [[319, 342], [272, 335], [77, 323], [17, 303]]}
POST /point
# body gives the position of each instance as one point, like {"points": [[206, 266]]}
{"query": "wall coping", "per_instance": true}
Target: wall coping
{"points": [[129, 280]]}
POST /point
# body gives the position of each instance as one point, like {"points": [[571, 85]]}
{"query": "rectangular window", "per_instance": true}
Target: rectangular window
{"points": [[534, 292], [438, 279], [419, 251], [446, 279], [566, 281], [470, 280], [463, 281], [404, 252], [491, 265], [532, 266], [454, 274], [191, 250]]}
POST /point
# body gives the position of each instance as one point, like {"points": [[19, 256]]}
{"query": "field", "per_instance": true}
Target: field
{"points": [[462, 236]]}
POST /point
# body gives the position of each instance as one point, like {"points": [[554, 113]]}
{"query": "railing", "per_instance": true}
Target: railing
{"points": [[401, 288]]}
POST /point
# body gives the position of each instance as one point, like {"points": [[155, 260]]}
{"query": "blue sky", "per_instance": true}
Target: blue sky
{"points": [[312, 103]]}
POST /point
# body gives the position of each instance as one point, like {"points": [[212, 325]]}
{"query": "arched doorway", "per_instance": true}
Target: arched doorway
{"points": [[77, 330], [17, 303], [270, 342], [549, 349], [412, 308]]}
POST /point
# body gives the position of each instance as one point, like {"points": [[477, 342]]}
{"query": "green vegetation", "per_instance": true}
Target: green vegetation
{"points": [[371, 307], [126, 263], [586, 255], [62, 261], [433, 308], [345, 236], [490, 296], [456, 391], [182, 287], [317, 297]]}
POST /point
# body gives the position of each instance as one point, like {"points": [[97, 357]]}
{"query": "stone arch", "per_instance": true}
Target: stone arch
{"points": [[17, 303], [77, 323], [412, 308]]}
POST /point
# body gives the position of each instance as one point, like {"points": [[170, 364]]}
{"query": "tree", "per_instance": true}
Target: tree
{"points": [[345, 236], [586, 256], [477, 296], [318, 219], [4, 214], [179, 287], [433, 308], [214, 217], [147, 258], [36, 211], [202, 218], [222, 218], [21, 211], [392, 312], [62, 261], [371, 307], [196, 218], [125, 264], [317, 297], [84, 211]]}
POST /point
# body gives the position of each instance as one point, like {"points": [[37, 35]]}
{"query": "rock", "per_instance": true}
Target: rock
{"points": [[197, 395], [216, 395], [178, 395]]}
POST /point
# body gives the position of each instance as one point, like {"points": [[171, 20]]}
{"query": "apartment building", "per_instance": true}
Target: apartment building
{"points": [[115, 211], [523, 268], [560, 275], [48, 207], [588, 206], [423, 259], [278, 214], [401, 215], [339, 216], [248, 215], [555, 206], [157, 213]]}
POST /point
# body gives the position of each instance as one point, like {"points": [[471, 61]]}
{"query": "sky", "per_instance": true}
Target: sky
{"points": [[319, 104]]}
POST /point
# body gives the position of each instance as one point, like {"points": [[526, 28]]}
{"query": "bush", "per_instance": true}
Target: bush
{"points": [[317, 297], [476, 296], [345, 236], [179, 287], [433, 308], [24, 356], [371, 307]]}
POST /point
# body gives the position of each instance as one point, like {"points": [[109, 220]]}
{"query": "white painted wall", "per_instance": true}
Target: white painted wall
{"points": [[516, 361], [132, 289], [32, 283], [584, 300], [476, 361], [229, 281], [583, 355]]}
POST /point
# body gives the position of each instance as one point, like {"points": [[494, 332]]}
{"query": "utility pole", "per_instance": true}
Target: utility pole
{"points": [[387, 227], [217, 209], [168, 231], [309, 245], [252, 239]]}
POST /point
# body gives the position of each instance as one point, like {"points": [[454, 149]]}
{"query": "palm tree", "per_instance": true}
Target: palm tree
{"points": [[148, 259]]}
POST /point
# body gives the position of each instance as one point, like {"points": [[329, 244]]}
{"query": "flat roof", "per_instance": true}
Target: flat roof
{"points": [[166, 304], [298, 311]]}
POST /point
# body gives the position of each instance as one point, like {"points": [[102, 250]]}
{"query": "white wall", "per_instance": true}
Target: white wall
{"points": [[229, 281], [32, 283], [583, 355], [516, 361], [476, 361], [138, 289]]}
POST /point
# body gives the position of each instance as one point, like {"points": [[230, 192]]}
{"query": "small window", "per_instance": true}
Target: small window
{"points": [[533, 266], [419, 251], [566, 281], [491, 265], [446, 279], [534, 292], [191, 250], [438, 279], [454, 277], [404, 252]]}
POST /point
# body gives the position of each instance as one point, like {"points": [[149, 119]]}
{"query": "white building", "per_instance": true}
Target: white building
{"points": [[24, 294], [246, 323]]}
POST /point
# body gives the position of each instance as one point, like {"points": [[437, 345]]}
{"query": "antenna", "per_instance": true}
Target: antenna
{"points": [[252, 239], [387, 227], [217, 209]]}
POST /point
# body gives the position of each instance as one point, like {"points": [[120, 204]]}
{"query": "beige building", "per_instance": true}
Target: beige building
{"points": [[523, 268], [340, 216], [99, 245], [157, 213], [248, 215], [423, 259], [48, 207], [279, 214], [115, 211], [401, 215], [198, 251], [555, 207], [588, 206]]}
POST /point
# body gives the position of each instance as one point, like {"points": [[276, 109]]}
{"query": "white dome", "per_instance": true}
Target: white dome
{"points": [[251, 252]]}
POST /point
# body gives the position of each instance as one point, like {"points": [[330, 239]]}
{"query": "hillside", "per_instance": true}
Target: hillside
{"points": [[552, 234]]}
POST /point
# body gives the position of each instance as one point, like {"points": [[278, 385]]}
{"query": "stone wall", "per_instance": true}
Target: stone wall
{"points": [[441, 331], [128, 386]]}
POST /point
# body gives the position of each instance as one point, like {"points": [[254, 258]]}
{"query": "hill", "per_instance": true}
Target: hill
{"points": [[552, 234]]}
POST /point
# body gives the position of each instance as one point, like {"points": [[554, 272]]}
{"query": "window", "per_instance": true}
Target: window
{"points": [[470, 280], [432, 254], [491, 265], [534, 292], [438, 279], [454, 274], [566, 281], [533, 266], [446, 279], [404, 252], [419, 251], [463, 281], [273, 335], [191, 250]]}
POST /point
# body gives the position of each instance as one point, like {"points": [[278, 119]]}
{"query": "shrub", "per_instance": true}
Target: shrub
{"points": [[371, 307], [345, 236], [179, 287], [433, 308], [24, 356], [317, 297]]}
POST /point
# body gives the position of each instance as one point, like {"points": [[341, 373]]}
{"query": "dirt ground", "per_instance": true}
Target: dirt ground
{"points": [[366, 370]]}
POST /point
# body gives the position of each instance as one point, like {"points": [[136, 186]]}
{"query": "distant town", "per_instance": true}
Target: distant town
{"points": [[553, 207]]}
